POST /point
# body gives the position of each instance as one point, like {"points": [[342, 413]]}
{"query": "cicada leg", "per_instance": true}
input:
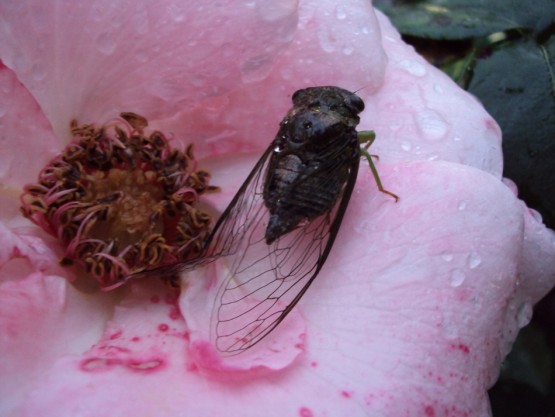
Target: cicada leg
{"points": [[366, 138]]}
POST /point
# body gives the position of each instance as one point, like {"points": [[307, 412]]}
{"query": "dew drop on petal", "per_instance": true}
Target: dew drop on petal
{"points": [[473, 260], [340, 12], [38, 71], [536, 215], [412, 67], [432, 125], [406, 145], [524, 314], [447, 257], [450, 329], [462, 205], [348, 49], [438, 89], [457, 277], [394, 127], [105, 43], [141, 56], [326, 40], [256, 68], [176, 12]]}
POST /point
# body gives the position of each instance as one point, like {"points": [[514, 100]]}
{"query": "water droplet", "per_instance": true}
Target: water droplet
{"points": [[462, 205], [105, 43], [412, 67], [3, 107], [140, 19], [177, 13], [394, 127], [326, 40], [457, 138], [438, 89], [256, 68], [432, 157], [38, 72], [450, 329], [457, 278], [348, 49], [447, 257], [473, 260], [524, 314], [365, 30], [250, 3], [406, 145], [340, 12], [141, 56], [536, 215], [432, 125]]}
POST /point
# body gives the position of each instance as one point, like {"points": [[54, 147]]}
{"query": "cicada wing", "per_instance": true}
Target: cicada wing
{"points": [[264, 282]]}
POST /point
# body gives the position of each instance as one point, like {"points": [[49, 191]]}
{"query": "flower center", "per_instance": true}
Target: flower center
{"points": [[121, 201]]}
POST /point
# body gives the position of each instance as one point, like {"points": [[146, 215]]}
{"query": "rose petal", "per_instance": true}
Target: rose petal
{"points": [[408, 317], [42, 319], [418, 302], [92, 60], [26, 137], [421, 114], [275, 352], [334, 44]]}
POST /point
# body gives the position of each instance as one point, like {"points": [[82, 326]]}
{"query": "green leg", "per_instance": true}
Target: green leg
{"points": [[367, 137]]}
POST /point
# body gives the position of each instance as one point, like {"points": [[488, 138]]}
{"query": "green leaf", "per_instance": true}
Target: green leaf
{"points": [[516, 85], [462, 19]]}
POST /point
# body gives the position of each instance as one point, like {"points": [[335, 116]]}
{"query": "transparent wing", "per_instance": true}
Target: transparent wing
{"points": [[264, 282]]}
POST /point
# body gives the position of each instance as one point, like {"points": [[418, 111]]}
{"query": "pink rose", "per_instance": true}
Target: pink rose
{"points": [[419, 301]]}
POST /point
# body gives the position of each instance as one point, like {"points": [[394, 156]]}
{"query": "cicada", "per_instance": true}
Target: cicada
{"points": [[279, 229]]}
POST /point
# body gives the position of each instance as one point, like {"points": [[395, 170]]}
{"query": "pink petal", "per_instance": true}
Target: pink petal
{"points": [[92, 60], [419, 301], [27, 138], [419, 114], [164, 58], [42, 319], [421, 298]]}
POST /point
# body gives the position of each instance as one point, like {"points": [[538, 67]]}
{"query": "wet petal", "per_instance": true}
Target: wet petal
{"points": [[416, 306], [421, 114], [41, 319], [417, 300], [26, 136], [91, 60]]}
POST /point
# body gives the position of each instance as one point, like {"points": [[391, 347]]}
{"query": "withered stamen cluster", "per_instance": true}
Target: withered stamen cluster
{"points": [[122, 202]]}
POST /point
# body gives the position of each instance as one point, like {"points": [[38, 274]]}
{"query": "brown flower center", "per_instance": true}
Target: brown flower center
{"points": [[121, 201]]}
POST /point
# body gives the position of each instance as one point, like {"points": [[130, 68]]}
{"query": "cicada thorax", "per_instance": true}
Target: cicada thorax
{"points": [[312, 158]]}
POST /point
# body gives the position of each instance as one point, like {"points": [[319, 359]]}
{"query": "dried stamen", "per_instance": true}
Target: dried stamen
{"points": [[121, 201]]}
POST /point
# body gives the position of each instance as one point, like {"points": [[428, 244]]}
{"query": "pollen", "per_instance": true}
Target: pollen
{"points": [[121, 201]]}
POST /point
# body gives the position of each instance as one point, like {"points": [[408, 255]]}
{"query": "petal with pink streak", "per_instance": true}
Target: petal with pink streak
{"points": [[421, 114], [42, 318], [22, 253], [334, 44], [405, 304], [26, 136], [419, 300], [91, 60], [275, 352]]}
